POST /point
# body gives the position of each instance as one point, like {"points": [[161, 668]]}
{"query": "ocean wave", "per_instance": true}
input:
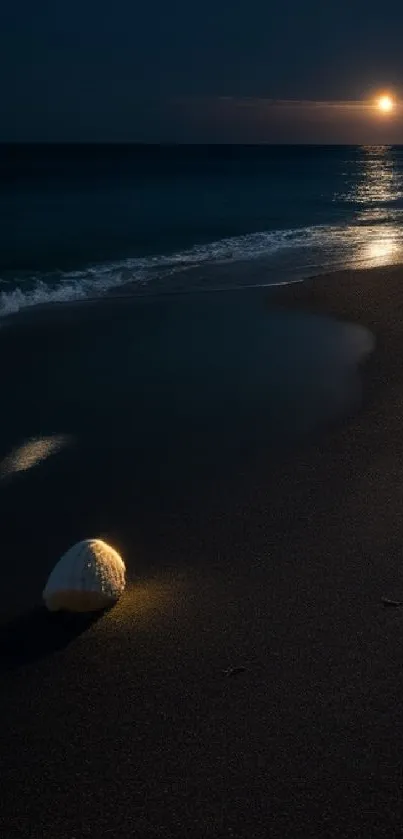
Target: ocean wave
{"points": [[325, 246]]}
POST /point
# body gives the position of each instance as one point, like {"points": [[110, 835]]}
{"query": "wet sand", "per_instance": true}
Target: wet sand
{"points": [[248, 684]]}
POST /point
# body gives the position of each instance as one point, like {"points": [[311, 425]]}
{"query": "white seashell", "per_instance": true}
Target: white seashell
{"points": [[89, 577]]}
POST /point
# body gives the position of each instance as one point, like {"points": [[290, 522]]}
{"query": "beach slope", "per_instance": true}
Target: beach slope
{"points": [[248, 684]]}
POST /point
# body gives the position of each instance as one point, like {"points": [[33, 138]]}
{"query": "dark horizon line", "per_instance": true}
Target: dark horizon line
{"points": [[170, 144]]}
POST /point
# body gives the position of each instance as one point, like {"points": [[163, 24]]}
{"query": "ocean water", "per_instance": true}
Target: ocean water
{"points": [[79, 221]]}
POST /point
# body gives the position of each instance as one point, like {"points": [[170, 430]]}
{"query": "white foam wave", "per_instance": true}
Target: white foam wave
{"points": [[12, 301], [97, 279], [157, 271]]}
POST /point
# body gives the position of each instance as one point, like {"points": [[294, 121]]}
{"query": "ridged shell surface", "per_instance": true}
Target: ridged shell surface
{"points": [[89, 577]]}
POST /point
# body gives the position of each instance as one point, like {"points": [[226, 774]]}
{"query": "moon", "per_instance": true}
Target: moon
{"points": [[385, 104]]}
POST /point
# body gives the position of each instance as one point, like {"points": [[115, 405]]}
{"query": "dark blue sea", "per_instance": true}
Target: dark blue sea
{"points": [[79, 221]]}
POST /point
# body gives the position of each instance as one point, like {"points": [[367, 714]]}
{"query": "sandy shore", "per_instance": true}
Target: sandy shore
{"points": [[249, 684]]}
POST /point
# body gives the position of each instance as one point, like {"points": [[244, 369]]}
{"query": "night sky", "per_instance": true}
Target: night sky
{"points": [[211, 71]]}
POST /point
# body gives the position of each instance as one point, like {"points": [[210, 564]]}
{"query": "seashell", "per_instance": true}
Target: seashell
{"points": [[88, 578]]}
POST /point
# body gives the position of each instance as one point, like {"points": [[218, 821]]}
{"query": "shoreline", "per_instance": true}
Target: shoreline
{"points": [[310, 297], [36, 314], [338, 295], [135, 726]]}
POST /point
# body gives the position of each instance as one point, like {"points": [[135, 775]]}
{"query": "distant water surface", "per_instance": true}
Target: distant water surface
{"points": [[82, 220]]}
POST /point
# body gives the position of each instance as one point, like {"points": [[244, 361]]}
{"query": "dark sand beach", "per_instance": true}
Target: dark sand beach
{"points": [[248, 683]]}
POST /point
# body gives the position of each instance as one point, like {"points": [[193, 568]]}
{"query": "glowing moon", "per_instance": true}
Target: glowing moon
{"points": [[385, 104]]}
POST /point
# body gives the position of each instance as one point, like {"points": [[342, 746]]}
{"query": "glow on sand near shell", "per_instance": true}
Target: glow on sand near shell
{"points": [[90, 577]]}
